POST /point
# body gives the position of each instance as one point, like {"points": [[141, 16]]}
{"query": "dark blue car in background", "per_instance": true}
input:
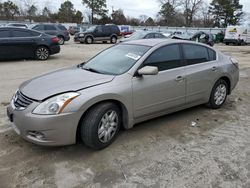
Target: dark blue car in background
{"points": [[20, 43]]}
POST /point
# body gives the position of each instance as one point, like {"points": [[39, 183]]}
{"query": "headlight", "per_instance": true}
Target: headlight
{"points": [[81, 35], [55, 105]]}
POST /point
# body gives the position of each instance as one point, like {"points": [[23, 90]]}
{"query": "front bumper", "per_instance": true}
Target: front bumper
{"points": [[47, 130]]}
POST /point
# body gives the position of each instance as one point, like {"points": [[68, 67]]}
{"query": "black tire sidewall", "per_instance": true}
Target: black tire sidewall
{"points": [[112, 38], [86, 41], [61, 39], [211, 100], [90, 125]]}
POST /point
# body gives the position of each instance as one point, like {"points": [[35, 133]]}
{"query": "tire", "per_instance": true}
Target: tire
{"points": [[227, 43], [42, 53], [61, 40], [89, 40], [218, 94], [113, 40], [100, 125]]}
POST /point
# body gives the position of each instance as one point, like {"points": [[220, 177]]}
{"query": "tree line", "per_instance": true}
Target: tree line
{"points": [[219, 13]]}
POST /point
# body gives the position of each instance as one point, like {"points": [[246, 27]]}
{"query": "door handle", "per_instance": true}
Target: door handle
{"points": [[179, 79], [214, 69]]}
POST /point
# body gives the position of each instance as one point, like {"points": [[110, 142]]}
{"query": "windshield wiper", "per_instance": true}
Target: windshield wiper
{"points": [[81, 65], [91, 69]]}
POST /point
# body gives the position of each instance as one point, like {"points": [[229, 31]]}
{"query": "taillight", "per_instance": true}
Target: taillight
{"points": [[235, 62], [55, 40]]}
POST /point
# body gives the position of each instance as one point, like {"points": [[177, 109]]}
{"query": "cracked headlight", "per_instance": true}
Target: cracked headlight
{"points": [[55, 105]]}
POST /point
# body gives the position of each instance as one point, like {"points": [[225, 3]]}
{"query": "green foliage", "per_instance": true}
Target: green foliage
{"points": [[9, 10], [150, 22], [168, 13], [78, 17], [226, 12], [66, 12], [97, 7], [118, 17]]}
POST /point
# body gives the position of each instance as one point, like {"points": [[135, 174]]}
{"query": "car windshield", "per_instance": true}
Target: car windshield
{"points": [[137, 35], [116, 60]]}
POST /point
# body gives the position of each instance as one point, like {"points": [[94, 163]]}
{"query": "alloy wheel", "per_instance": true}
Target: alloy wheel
{"points": [[42, 53], [220, 94], [108, 126]]}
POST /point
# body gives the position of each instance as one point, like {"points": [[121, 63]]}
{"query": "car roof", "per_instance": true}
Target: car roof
{"points": [[156, 42], [13, 27]]}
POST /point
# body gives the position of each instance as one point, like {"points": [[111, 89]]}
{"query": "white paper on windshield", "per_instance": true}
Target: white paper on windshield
{"points": [[133, 56]]}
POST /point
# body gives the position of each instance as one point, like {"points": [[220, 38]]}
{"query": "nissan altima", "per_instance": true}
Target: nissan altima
{"points": [[126, 84]]}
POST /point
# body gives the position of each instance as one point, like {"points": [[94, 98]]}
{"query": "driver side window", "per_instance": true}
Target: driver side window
{"points": [[167, 57], [99, 29]]}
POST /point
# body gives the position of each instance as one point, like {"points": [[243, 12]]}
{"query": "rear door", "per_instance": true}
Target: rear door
{"points": [[22, 43], [201, 70], [39, 27], [155, 93], [4, 47], [50, 30]]}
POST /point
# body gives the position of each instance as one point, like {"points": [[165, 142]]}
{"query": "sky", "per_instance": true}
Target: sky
{"points": [[133, 8]]}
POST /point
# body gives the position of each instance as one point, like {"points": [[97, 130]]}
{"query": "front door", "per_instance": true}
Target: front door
{"points": [[153, 94], [22, 44], [4, 47]]}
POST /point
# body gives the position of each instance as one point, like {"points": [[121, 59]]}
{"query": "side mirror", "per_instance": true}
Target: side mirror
{"points": [[148, 70]]}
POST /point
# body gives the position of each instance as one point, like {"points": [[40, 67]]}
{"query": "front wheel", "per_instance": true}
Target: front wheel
{"points": [[89, 40], [218, 95], [42, 53], [100, 125]]}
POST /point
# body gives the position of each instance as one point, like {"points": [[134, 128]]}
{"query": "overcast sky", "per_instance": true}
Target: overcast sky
{"points": [[130, 7]]}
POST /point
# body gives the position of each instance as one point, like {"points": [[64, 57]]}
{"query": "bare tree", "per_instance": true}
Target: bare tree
{"points": [[191, 7]]}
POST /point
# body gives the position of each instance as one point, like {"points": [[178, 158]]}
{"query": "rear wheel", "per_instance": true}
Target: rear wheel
{"points": [[101, 125], [113, 39], [42, 53], [218, 95], [61, 40]]}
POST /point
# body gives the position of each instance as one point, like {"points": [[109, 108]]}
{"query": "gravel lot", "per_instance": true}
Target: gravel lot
{"points": [[164, 152]]}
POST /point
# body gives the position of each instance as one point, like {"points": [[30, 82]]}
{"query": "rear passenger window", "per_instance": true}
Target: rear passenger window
{"points": [[195, 54], [50, 27], [212, 54], [38, 28], [165, 58], [4, 34], [63, 28], [17, 33], [157, 35], [150, 36], [106, 29]]}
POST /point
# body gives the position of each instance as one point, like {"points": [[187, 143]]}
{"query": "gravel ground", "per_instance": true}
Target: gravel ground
{"points": [[164, 152]]}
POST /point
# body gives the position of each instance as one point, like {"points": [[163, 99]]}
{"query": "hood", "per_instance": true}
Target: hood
{"points": [[60, 81]]}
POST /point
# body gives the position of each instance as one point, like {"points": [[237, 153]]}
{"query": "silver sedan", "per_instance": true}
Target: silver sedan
{"points": [[123, 85]]}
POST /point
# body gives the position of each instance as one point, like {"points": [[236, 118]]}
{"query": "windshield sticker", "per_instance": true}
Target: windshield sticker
{"points": [[133, 56]]}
